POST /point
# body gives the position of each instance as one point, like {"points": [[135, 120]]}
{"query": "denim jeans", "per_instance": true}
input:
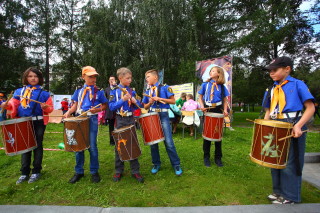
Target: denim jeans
{"points": [[39, 129], [286, 182], [93, 150], [169, 144]]}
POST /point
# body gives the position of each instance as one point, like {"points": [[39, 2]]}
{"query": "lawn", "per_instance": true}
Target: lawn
{"points": [[239, 182]]}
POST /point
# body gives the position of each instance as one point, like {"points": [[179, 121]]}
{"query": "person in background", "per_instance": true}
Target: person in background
{"points": [[64, 105], [189, 105], [110, 115], [181, 100]]}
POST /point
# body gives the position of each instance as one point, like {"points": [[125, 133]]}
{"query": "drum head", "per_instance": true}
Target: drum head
{"points": [[214, 115], [273, 123], [148, 114], [75, 119], [14, 121], [122, 129]]}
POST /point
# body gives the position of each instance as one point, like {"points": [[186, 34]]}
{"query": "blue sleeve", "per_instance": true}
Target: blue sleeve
{"points": [[145, 99], [75, 95], [202, 90], [166, 91], [114, 104], [304, 92], [266, 103], [16, 93], [226, 91], [102, 97]]}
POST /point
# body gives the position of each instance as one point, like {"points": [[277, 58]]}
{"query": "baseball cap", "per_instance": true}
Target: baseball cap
{"points": [[280, 62], [89, 71]]}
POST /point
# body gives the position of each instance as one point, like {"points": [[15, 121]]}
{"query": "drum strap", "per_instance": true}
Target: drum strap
{"points": [[35, 105], [295, 143]]}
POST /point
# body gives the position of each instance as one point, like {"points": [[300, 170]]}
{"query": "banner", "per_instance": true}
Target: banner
{"points": [[225, 62], [178, 89]]}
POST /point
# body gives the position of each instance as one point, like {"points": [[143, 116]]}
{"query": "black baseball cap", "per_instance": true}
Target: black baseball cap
{"points": [[280, 62]]}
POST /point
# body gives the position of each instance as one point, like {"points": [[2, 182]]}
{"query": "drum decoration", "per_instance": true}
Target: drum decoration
{"points": [[127, 143], [76, 134], [213, 126], [151, 128], [18, 136], [266, 149]]}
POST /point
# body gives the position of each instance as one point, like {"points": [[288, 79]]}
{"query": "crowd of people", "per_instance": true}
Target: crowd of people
{"points": [[284, 101]]}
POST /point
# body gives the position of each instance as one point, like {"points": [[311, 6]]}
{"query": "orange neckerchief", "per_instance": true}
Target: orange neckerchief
{"points": [[84, 94], [214, 85], [278, 98], [152, 90], [26, 96]]}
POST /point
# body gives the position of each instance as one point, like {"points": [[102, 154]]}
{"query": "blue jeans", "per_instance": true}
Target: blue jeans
{"points": [[93, 150], [286, 182], [169, 144]]}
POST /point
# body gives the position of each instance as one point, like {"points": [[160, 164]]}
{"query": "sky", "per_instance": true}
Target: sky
{"points": [[306, 5]]}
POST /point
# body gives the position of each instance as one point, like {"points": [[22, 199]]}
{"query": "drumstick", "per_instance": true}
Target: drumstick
{"points": [[249, 120], [9, 97], [125, 92], [54, 115], [88, 110], [144, 94], [282, 139], [34, 100]]}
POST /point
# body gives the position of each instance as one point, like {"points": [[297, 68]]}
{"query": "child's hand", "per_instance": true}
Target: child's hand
{"points": [[296, 131], [225, 113], [133, 100], [4, 105], [44, 106], [67, 114], [156, 98], [126, 97], [151, 100]]}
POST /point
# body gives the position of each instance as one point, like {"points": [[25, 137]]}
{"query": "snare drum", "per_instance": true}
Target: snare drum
{"points": [[126, 142], [76, 134], [18, 136], [151, 128], [213, 126], [266, 150]]}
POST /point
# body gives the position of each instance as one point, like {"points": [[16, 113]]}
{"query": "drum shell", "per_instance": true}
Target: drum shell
{"points": [[22, 136], [151, 128], [277, 154], [213, 126], [76, 134], [126, 142]]}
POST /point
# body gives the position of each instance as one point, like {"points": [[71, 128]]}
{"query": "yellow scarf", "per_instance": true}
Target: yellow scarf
{"points": [[26, 96], [84, 94], [278, 98], [214, 85]]}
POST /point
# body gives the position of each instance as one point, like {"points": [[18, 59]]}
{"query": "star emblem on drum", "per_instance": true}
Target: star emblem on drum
{"points": [[70, 137], [119, 143], [268, 150], [11, 139]]}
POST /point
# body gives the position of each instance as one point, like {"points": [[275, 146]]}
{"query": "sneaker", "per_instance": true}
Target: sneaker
{"points": [[218, 162], [273, 196], [117, 177], [76, 177], [155, 169], [138, 177], [281, 200], [34, 178], [207, 162], [22, 178], [95, 178], [178, 170]]}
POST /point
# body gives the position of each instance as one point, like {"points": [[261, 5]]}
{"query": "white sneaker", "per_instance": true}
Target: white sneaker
{"points": [[34, 177], [273, 196], [22, 178], [281, 200]]}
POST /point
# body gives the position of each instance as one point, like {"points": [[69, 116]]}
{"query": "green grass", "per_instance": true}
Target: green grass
{"points": [[239, 182]]}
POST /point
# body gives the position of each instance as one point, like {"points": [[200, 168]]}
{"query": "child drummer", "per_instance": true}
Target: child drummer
{"points": [[123, 101], [213, 98], [21, 106], [284, 101], [85, 99], [162, 96]]}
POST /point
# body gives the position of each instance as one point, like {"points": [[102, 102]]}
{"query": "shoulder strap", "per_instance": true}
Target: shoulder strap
{"points": [[35, 106]]}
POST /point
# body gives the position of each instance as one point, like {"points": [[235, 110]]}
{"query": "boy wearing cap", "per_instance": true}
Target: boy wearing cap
{"points": [[284, 101], [84, 99]]}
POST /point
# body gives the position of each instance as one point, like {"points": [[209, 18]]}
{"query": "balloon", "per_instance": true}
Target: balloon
{"points": [[61, 145]]}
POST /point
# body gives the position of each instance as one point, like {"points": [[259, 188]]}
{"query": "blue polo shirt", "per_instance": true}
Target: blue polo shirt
{"points": [[205, 90], [164, 92], [33, 108], [86, 102], [116, 103], [296, 92]]}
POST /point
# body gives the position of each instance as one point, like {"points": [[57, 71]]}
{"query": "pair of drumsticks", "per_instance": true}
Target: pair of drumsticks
{"points": [[284, 138]]}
